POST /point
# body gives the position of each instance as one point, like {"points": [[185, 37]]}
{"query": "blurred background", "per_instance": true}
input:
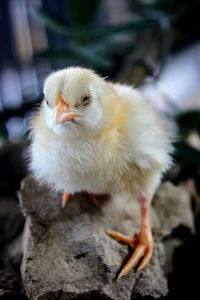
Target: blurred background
{"points": [[152, 44]]}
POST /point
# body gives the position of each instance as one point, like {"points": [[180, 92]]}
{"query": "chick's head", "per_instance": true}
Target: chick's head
{"points": [[72, 101]]}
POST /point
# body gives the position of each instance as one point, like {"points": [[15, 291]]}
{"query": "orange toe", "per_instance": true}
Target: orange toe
{"points": [[121, 237], [133, 261], [146, 259]]}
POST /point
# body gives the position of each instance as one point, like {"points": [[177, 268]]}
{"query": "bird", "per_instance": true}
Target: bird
{"points": [[101, 137]]}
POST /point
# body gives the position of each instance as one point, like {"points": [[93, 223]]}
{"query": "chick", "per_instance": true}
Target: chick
{"points": [[103, 138]]}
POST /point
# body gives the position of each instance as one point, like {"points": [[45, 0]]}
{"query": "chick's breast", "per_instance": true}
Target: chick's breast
{"points": [[69, 166]]}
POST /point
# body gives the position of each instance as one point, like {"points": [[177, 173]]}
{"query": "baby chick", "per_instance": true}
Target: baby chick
{"points": [[92, 135]]}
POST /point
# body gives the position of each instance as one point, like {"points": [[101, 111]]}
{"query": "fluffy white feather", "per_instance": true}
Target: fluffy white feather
{"points": [[118, 143]]}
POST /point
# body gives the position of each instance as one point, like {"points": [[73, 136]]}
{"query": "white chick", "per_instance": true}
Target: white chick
{"points": [[92, 135]]}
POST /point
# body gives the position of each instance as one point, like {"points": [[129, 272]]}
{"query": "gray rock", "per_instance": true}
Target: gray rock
{"points": [[68, 255], [11, 220], [173, 207]]}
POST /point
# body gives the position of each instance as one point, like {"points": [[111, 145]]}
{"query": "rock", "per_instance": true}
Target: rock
{"points": [[173, 208], [11, 220], [10, 286], [9, 280], [13, 167], [11, 295], [68, 255], [11, 227], [13, 252], [171, 245]]}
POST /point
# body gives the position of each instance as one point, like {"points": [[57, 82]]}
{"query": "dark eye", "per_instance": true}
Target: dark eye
{"points": [[47, 102], [85, 100]]}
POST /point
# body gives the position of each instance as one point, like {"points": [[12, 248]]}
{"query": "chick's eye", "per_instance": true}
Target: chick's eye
{"points": [[85, 100], [47, 102]]}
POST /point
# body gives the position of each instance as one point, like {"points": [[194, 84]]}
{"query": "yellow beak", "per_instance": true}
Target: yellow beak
{"points": [[61, 111]]}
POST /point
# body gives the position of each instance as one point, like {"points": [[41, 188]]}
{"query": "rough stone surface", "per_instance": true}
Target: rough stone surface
{"points": [[68, 255]]}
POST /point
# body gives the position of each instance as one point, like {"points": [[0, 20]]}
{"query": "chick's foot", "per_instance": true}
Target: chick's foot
{"points": [[142, 242], [143, 249]]}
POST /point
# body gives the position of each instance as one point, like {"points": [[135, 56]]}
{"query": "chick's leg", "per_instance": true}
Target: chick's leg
{"points": [[65, 199], [142, 243], [93, 199]]}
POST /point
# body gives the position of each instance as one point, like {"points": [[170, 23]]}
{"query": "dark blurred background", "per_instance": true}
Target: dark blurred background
{"points": [[152, 44]]}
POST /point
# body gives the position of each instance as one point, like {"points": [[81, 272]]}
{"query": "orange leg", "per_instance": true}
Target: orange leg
{"points": [[142, 243], [93, 199], [65, 199]]}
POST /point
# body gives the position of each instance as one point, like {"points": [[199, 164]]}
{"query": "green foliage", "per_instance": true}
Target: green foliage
{"points": [[83, 12], [54, 23], [100, 34], [165, 6], [187, 156], [95, 46], [3, 132], [187, 153], [188, 122]]}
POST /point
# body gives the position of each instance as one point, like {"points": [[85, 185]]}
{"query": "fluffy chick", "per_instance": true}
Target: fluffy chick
{"points": [[92, 135]]}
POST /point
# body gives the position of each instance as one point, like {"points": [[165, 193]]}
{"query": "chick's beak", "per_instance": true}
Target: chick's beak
{"points": [[61, 111]]}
